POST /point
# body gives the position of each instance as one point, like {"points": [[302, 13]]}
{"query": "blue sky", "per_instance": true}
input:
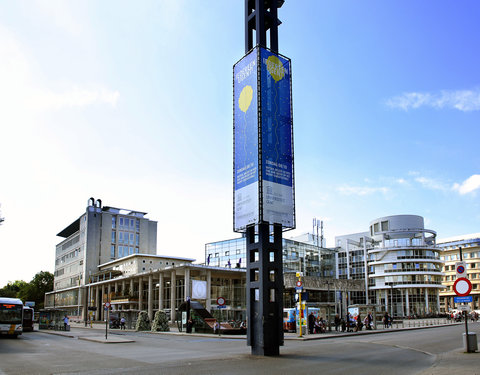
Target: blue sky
{"points": [[131, 102]]}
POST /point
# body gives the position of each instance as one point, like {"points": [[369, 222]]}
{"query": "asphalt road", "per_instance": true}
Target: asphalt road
{"points": [[426, 351]]}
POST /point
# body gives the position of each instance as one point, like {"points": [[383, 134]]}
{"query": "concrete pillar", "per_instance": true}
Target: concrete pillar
{"points": [[426, 301], [386, 301], [140, 294], [209, 291], [103, 297], [150, 297], [123, 287], [160, 291], [438, 301], [402, 305], [407, 302], [109, 291], [173, 282], [187, 283], [131, 293]]}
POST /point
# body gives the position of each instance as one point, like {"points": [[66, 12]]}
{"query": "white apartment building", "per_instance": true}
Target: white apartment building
{"points": [[98, 236], [399, 261]]}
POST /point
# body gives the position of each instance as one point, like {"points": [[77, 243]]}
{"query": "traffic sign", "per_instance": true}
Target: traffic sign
{"points": [[220, 301], [299, 289], [299, 283], [107, 305], [462, 287], [461, 269], [464, 308], [463, 299]]}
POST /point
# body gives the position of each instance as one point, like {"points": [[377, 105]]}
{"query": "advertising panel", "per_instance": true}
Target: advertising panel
{"points": [[245, 122], [263, 133], [277, 139]]}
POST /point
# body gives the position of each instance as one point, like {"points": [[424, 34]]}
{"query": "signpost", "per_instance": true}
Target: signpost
{"points": [[107, 317], [462, 288]]}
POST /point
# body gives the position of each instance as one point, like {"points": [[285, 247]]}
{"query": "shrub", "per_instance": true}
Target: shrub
{"points": [[143, 322], [160, 322]]}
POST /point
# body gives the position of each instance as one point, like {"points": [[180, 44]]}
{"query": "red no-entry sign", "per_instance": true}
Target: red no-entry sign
{"points": [[462, 287]]}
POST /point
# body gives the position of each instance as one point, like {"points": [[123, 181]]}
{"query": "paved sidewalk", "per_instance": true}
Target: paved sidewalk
{"points": [[97, 333]]}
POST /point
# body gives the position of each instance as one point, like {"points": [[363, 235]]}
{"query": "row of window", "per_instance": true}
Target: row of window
{"points": [[126, 223], [123, 251], [472, 255], [452, 267], [126, 238], [72, 254]]}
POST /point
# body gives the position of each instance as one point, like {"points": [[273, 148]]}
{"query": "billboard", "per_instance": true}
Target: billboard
{"points": [[263, 141]]}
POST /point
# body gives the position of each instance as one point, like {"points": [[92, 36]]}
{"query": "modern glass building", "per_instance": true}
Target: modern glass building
{"points": [[298, 256], [399, 261]]}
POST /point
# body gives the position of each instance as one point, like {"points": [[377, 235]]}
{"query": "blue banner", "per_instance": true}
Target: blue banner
{"points": [[277, 139], [245, 87]]}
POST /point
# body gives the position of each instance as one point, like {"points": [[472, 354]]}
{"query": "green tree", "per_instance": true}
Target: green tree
{"points": [[12, 289], [34, 291]]}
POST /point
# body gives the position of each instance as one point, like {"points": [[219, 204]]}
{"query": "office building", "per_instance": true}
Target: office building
{"points": [[450, 254]]}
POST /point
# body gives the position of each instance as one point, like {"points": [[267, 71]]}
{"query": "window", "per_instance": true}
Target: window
{"points": [[138, 225], [143, 261], [121, 221], [131, 238], [137, 239], [112, 252], [114, 222], [130, 250], [384, 226], [120, 237], [120, 251], [131, 223], [113, 236], [376, 227], [136, 250]]}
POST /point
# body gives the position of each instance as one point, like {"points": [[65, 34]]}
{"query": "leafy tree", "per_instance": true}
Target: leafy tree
{"points": [[13, 289], [35, 290]]}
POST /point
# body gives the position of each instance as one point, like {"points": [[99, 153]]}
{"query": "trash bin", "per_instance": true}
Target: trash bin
{"points": [[470, 342]]}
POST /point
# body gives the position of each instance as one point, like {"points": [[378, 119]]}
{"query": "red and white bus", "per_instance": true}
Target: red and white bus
{"points": [[11, 316]]}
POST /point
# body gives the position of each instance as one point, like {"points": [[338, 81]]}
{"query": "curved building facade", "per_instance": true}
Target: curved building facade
{"points": [[404, 265]]}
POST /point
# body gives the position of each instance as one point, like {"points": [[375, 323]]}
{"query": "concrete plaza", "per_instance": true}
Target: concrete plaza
{"points": [[436, 350]]}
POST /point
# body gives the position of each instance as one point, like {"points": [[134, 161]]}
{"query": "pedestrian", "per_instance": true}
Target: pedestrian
{"points": [[65, 322], [359, 322], [336, 321], [386, 320], [369, 320], [122, 323], [189, 325], [311, 323]]}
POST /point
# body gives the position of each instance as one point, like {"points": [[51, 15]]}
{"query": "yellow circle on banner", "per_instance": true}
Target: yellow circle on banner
{"points": [[245, 98], [275, 68]]}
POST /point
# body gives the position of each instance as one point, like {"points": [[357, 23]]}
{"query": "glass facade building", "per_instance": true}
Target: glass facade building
{"points": [[298, 256]]}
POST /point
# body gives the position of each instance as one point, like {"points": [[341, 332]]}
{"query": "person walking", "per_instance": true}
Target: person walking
{"points": [[122, 323], [311, 323], [386, 320], [336, 322]]}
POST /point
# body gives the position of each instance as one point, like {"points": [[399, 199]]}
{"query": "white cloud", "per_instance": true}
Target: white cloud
{"points": [[431, 183], [361, 190], [462, 100], [470, 185]]}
